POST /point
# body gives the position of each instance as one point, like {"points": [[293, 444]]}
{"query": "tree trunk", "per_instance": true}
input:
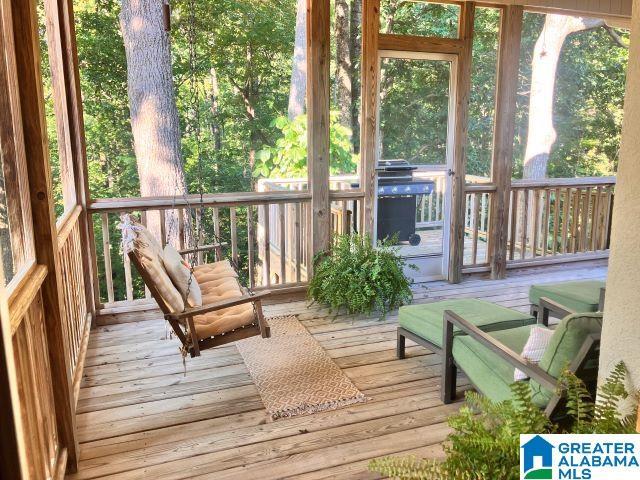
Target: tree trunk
{"points": [[298, 90], [343, 62], [154, 115], [541, 132], [355, 39]]}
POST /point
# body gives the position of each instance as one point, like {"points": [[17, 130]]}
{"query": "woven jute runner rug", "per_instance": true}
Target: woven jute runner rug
{"points": [[294, 374]]}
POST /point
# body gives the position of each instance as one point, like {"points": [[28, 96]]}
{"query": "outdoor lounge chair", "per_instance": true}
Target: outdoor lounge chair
{"points": [[579, 296], [489, 359], [228, 311], [484, 341]]}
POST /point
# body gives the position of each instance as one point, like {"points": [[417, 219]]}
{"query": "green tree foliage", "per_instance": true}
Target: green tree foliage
{"points": [[288, 157], [485, 444], [238, 90]]}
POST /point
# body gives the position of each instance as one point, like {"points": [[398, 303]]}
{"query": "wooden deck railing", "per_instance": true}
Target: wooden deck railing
{"points": [[248, 224], [551, 220], [75, 311]]}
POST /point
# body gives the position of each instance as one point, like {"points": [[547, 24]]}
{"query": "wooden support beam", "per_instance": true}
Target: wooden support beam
{"points": [[79, 153], [27, 48], [318, 61], [463, 88], [13, 461], [369, 115], [413, 43], [502, 162]]}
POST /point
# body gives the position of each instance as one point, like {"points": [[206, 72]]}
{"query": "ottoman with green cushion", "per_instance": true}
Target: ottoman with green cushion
{"points": [[579, 296], [492, 375], [425, 321]]}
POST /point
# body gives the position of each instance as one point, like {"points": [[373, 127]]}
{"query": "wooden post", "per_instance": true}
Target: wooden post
{"points": [[13, 461], [463, 87], [27, 48], [75, 118], [369, 82], [318, 60], [502, 163]]}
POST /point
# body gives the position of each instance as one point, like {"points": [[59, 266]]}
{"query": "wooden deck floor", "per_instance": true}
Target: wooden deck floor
{"points": [[140, 417]]}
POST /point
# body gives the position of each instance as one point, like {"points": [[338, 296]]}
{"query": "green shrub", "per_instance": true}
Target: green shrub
{"points": [[359, 277], [485, 444]]}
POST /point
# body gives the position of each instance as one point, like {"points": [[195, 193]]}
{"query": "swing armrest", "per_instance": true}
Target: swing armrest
{"points": [[212, 307], [203, 248]]}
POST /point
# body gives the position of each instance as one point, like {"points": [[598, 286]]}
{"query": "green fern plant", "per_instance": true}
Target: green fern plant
{"points": [[360, 277], [485, 442]]}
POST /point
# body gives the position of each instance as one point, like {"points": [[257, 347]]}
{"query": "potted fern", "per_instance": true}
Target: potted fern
{"points": [[359, 277]]}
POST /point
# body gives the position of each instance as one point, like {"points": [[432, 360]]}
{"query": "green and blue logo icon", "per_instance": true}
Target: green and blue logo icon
{"points": [[536, 459]]}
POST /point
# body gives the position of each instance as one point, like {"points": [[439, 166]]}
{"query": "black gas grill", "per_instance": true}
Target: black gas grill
{"points": [[397, 192]]}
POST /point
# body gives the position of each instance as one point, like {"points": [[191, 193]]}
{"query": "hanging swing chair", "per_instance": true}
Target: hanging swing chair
{"points": [[206, 305]]}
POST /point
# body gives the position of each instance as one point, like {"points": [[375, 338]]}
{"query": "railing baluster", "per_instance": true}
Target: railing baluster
{"points": [[476, 215], [163, 228], [143, 220], [266, 261], [566, 220], [595, 220], [234, 235], [556, 217], [575, 218], [283, 251], [513, 223], [525, 218], [298, 245], [607, 219], [547, 214], [586, 201], [216, 232], [181, 229], [106, 248], [251, 247], [127, 277], [536, 222]]}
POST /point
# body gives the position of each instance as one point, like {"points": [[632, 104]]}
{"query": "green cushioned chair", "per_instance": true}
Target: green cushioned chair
{"points": [[580, 296], [424, 323], [489, 359]]}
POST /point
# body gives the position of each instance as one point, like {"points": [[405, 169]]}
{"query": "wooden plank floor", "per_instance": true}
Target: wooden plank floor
{"points": [[139, 416]]}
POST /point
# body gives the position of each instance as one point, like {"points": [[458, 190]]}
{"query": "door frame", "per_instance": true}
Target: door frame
{"points": [[452, 58]]}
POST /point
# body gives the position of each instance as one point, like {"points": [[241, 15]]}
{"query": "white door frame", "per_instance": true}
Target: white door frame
{"points": [[453, 72]]}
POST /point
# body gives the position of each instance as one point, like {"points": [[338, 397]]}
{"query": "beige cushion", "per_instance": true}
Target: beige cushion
{"points": [[181, 276], [227, 319], [154, 268], [145, 242], [223, 321]]}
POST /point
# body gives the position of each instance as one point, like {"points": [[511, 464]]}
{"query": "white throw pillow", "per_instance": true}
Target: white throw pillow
{"points": [[182, 277], [539, 339]]}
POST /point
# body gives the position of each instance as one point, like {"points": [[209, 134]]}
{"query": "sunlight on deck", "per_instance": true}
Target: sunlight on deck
{"points": [[139, 416]]}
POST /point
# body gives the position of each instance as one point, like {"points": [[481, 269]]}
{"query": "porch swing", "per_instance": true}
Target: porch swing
{"points": [[206, 305]]}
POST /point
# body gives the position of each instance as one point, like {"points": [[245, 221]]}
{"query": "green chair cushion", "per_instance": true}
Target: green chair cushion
{"points": [[488, 372], [426, 320], [581, 296], [564, 346]]}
